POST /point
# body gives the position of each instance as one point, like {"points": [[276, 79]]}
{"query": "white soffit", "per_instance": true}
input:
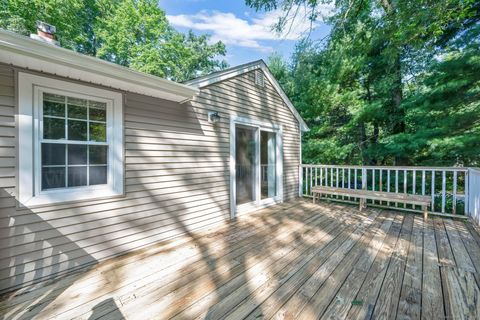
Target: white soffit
{"points": [[27, 53], [235, 71]]}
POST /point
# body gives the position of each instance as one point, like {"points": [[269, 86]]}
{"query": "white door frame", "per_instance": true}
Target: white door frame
{"points": [[263, 126]]}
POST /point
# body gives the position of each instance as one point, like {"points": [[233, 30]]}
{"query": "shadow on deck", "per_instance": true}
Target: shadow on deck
{"points": [[295, 261]]}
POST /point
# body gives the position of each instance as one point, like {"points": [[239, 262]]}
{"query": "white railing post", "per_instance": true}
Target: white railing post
{"points": [[300, 180], [473, 178], [469, 200]]}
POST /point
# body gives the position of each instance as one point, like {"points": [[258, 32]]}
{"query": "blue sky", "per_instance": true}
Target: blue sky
{"points": [[246, 33]]}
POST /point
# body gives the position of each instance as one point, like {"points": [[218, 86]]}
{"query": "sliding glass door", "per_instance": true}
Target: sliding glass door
{"points": [[268, 161], [245, 159], [256, 155]]}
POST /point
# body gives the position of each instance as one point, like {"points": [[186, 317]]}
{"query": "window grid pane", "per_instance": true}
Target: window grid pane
{"points": [[77, 171]]}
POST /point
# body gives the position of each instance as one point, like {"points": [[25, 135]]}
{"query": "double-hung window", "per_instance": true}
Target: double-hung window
{"points": [[71, 144]]}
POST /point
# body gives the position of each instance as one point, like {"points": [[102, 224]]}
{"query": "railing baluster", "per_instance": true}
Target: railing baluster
{"points": [[336, 179], [321, 176], [388, 184], [444, 182], [326, 176], [355, 178], [414, 181], [433, 190], [454, 195], [388, 180], [423, 182], [396, 185], [364, 179], [381, 179], [305, 182], [349, 177], [312, 178], [373, 179], [405, 175], [331, 177]]}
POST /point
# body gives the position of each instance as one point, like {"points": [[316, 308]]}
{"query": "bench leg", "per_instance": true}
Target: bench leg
{"points": [[425, 213], [363, 204], [314, 197]]}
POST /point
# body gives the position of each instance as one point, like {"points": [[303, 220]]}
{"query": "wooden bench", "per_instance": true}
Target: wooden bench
{"points": [[363, 195]]}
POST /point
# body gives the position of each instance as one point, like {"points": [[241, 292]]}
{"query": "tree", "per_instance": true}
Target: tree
{"points": [[132, 33], [21, 15], [444, 113], [367, 80]]}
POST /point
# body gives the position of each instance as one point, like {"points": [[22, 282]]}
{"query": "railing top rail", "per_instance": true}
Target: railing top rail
{"points": [[462, 169]]}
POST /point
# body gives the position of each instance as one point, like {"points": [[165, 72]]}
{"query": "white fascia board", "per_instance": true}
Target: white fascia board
{"points": [[30, 54], [233, 72]]}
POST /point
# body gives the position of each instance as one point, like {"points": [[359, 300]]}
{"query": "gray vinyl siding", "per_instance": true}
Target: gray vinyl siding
{"points": [[176, 181]]}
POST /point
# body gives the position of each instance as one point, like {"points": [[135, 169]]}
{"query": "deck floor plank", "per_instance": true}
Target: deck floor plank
{"points": [[472, 247], [410, 299], [387, 302], [289, 261], [432, 297], [370, 289]]}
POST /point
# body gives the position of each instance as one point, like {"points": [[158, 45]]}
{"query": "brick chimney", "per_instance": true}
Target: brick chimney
{"points": [[45, 33]]}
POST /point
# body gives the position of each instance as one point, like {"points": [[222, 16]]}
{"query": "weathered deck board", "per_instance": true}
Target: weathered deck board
{"points": [[294, 260], [411, 297], [387, 302], [368, 294], [432, 298]]}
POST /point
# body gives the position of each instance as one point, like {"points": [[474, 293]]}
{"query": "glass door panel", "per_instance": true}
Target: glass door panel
{"points": [[245, 156], [268, 165]]}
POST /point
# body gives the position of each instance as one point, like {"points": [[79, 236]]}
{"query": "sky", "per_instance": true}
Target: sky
{"points": [[246, 33]]}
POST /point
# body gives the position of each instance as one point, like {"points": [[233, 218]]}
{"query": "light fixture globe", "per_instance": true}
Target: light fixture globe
{"points": [[213, 117]]}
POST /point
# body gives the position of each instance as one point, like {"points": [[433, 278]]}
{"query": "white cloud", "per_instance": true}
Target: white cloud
{"points": [[232, 30]]}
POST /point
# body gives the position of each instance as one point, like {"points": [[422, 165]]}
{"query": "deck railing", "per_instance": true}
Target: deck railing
{"points": [[448, 186]]}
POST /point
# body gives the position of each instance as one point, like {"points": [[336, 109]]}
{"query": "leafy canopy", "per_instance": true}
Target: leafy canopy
{"points": [[396, 82], [132, 33]]}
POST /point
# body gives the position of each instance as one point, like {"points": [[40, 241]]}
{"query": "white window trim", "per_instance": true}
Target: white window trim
{"points": [[30, 88], [259, 203]]}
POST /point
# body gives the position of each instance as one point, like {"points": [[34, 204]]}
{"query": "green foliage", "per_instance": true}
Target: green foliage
{"points": [[133, 33], [393, 84]]}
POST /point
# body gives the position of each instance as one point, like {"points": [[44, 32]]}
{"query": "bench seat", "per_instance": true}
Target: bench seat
{"points": [[423, 201]]}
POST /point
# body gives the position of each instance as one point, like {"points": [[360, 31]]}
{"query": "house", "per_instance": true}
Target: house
{"points": [[98, 160]]}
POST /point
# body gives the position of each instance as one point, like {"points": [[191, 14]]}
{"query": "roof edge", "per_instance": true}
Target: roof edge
{"points": [[215, 77], [21, 51]]}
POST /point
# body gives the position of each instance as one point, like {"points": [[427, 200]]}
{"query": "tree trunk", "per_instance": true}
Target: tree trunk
{"points": [[398, 112], [362, 141]]}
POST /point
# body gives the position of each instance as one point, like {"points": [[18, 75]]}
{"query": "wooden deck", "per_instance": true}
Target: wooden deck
{"points": [[291, 261]]}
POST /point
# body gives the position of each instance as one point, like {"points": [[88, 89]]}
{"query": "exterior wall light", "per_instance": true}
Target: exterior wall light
{"points": [[213, 117]]}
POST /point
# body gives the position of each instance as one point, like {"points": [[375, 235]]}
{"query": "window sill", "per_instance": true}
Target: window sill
{"points": [[64, 196]]}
